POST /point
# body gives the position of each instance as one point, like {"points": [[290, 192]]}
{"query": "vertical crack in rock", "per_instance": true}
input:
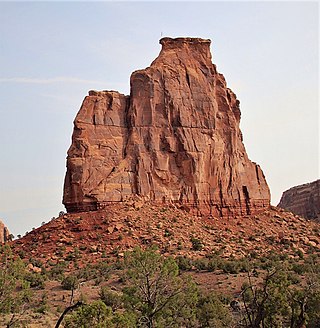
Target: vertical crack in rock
{"points": [[175, 139]]}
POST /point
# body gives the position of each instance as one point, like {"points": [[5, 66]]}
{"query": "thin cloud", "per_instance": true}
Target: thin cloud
{"points": [[59, 79]]}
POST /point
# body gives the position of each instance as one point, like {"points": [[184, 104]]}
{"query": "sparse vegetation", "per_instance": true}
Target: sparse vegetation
{"points": [[196, 244], [70, 282], [156, 291], [211, 266]]}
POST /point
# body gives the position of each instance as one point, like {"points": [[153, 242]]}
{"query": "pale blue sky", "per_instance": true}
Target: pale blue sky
{"points": [[52, 53]]}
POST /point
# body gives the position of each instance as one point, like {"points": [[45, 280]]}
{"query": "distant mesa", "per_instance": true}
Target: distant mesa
{"points": [[175, 139], [5, 235], [303, 200]]}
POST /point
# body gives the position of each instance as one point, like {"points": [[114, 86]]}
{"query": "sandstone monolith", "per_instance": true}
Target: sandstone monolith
{"points": [[175, 139]]}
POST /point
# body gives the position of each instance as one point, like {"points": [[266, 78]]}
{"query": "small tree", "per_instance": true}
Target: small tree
{"points": [[266, 304], [96, 315], [110, 297], [278, 302], [156, 293], [14, 290], [213, 313], [305, 302], [70, 282]]}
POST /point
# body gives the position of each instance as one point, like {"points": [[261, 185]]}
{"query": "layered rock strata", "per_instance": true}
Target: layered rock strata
{"points": [[175, 139], [303, 200]]}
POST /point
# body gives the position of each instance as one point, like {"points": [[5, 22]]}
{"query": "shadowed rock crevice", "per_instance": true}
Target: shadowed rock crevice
{"points": [[175, 139]]}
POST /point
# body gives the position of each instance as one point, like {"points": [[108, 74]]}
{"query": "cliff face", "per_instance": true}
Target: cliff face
{"points": [[175, 139], [303, 200], [4, 233]]}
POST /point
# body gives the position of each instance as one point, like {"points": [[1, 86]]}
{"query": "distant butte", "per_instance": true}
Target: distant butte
{"points": [[4, 233], [303, 200], [174, 140]]}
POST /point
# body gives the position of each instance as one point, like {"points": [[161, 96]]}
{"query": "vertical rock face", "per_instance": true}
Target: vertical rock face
{"points": [[303, 200], [176, 139], [4, 233]]}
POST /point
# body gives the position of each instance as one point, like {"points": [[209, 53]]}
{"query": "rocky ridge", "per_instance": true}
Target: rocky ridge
{"points": [[174, 140], [303, 200], [91, 237]]}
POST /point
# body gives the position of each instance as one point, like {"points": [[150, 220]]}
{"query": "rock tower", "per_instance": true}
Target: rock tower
{"points": [[174, 139]]}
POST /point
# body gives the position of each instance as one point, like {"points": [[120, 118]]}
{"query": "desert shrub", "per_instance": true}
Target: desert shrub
{"points": [[184, 263], [300, 253], [201, 264], [230, 266], [124, 320], [100, 272], [21, 253], [293, 278], [15, 294], [70, 282], [103, 269], [57, 271], [214, 262], [36, 280], [212, 265], [96, 315], [86, 273], [167, 233], [110, 297], [299, 268], [211, 312], [42, 307], [197, 244]]}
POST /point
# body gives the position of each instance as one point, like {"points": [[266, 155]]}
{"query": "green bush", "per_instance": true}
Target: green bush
{"points": [[36, 280], [197, 244], [57, 271], [156, 292], [96, 315], [110, 297], [70, 282], [201, 264], [100, 272], [230, 266], [184, 263], [212, 265], [212, 313], [124, 320], [15, 294]]}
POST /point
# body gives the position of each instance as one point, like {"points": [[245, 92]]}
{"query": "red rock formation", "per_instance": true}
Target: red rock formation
{"points": [[4, 233], [303, 200], [176, 139]]}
